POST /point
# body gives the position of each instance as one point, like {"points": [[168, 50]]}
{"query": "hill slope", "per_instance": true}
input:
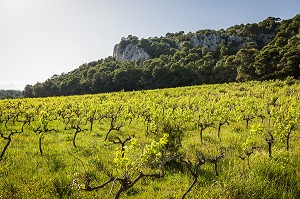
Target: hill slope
{"points": [[225, 141], [266, 50]]}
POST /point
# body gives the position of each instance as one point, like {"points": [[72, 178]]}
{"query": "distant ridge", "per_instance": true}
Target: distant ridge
{"points": [[266, 50], [10, 94]]}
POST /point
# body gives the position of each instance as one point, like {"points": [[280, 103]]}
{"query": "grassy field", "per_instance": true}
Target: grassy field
{"points": [[64, 147]]}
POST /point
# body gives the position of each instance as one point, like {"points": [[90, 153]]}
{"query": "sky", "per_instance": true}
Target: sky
{"points": [[40, 38]]}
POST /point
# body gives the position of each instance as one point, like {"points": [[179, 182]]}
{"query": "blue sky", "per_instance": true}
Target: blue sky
{"points": [[40, 38]]}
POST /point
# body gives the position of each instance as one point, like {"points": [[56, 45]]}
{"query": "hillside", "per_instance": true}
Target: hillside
{"points": [[266, 50], [224, 141]]}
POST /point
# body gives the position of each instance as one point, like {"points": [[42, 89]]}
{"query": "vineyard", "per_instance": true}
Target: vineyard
{"points": [[237, 140]]}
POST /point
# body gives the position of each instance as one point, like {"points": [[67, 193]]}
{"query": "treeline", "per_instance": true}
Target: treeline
{"points": [[10, 94], [261, 51]]}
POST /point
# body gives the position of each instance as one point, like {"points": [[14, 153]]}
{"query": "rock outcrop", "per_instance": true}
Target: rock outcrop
{"points": [[130, 53], [212, 41], [127, 50]]}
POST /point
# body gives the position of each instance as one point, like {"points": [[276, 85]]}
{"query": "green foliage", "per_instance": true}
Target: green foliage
{"points": [[10, 94], [146, 143], [122, 158], [266, 50], [153, 152]]}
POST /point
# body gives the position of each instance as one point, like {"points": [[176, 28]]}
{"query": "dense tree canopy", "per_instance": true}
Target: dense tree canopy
{"points": [[261, 51], [10, 94]]}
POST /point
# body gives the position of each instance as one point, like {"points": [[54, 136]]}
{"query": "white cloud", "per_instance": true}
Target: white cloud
{"points": [[12, 85]]}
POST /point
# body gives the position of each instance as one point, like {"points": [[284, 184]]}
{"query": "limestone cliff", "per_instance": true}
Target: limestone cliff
{"points": [[130, 53], [128, 50]]}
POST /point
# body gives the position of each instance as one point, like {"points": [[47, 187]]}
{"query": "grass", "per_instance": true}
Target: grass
{"points": [[63, 169]]}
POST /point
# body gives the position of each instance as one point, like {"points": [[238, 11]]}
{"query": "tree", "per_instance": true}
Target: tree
{"points": [[245, 59], [38, 90], [28, 91], [42, 127], [130, 169], [286, 122], [8, 138], [193, 168], [266, 61], [225, 70]]}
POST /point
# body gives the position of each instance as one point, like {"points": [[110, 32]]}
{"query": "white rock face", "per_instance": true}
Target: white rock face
{"points": [[242, 41], [212, 41], [130, 53]]}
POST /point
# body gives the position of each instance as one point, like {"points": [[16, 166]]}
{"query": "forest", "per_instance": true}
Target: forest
{"points": [[260, 51], [10, 94]]}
